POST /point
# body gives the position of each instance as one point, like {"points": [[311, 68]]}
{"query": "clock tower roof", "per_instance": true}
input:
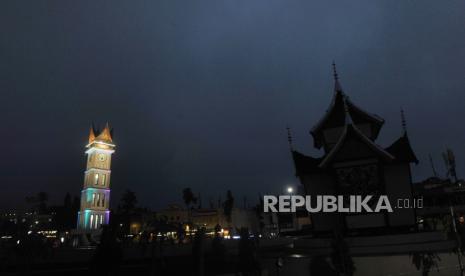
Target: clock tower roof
{"points": [[105, 136]]}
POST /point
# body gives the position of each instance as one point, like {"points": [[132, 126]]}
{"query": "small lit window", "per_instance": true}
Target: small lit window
{"points": [[96, 179], [103, 179]]}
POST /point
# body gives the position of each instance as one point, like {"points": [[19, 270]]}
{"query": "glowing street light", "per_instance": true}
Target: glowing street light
{"points": [[290, 190]]}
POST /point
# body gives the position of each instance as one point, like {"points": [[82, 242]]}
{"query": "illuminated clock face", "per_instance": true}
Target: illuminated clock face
{"points": [[101, 157]]}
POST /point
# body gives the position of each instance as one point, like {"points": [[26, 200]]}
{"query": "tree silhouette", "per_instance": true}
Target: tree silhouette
{"points": [[228, 205], [65, 215], [38, 202], [42, 199], [126, 208], [67, 201], [128, 202], [188, 197], [76, 203]]}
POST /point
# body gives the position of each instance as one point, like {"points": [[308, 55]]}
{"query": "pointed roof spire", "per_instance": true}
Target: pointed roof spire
{"points": [[404, 122], [91, 134], [105, 135], [337, 85], [335, 71], [289, 138]]}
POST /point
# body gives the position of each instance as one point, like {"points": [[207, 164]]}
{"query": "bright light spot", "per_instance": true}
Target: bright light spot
{"points": [[297, 256], [290, 190], [18, 241], [62, 239]]}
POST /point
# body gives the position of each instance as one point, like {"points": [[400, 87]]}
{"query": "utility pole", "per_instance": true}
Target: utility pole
{"points": [[459, 242]]}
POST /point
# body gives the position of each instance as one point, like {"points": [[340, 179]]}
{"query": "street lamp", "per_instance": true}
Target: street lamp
{"points": [[290, 190]]}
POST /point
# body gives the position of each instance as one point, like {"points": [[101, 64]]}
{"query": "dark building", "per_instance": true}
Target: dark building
{"points": [[353, 164]]}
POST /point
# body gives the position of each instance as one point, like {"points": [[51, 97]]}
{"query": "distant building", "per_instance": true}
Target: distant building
{"points": [[174, 214], [353, 164], [438, 197], [210, 218], [240, 218], [30, 220], [95, 197]]}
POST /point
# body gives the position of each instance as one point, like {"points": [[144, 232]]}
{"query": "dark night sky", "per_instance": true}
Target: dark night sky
{"points": [[200, 92]]}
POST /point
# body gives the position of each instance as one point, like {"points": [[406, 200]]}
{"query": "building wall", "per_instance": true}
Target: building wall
{"points": [[399, 187], [209, 218]]}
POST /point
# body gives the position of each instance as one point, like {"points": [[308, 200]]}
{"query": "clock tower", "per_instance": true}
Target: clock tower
{"points": [[95, 196]]}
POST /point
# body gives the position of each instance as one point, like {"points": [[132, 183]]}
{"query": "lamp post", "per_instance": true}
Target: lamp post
{"points": [[290, 191]]}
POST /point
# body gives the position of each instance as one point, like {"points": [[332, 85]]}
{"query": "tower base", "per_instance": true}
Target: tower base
{"points": [[86, 237]]}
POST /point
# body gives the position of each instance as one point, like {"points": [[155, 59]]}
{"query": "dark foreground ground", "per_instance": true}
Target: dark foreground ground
{"points": [[135, 260], [178, 265]]}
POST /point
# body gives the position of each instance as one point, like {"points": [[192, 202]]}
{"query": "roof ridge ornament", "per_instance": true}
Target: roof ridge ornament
{"points": [[337, 85], [404, 122], [289, 138], [336, 77]]}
